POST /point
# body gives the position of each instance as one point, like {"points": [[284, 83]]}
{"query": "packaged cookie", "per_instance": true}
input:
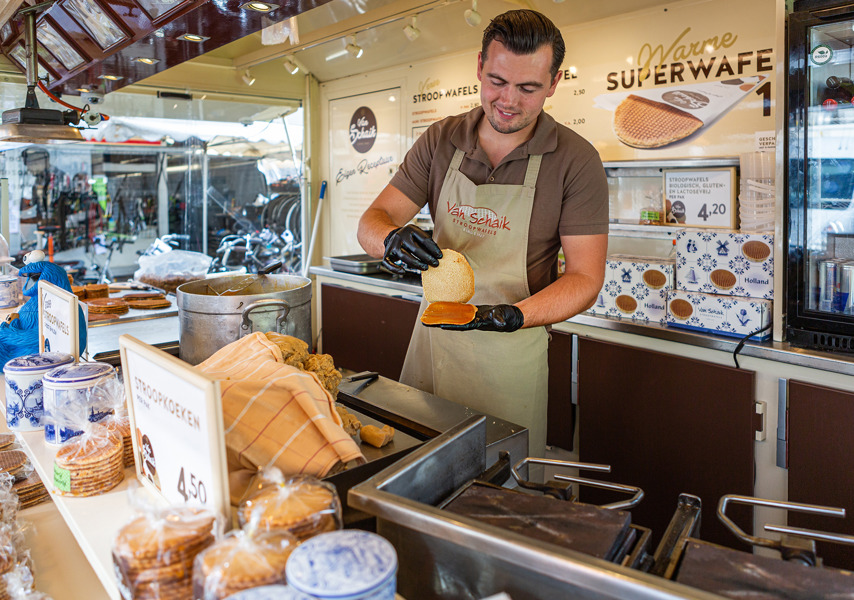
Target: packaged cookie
{"points": [[241, 560], [110, 393], [153, 554], [303, 506], [89, 464], [19, 584]]}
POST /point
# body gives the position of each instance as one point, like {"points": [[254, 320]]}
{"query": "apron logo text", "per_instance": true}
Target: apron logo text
{"points": [[478, 215]]}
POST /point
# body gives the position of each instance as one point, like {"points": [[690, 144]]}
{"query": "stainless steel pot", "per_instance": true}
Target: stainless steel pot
{"points": [[210, 317]]}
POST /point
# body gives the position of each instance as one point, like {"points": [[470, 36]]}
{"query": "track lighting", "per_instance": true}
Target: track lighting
{"points": [[354, 49], [290, 65], [411, 31], [471, 15], [247, 77]]}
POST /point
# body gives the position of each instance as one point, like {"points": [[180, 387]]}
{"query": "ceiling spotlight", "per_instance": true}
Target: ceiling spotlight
{"points": [[111, 77], [412, 32], [146, 61], [354, 49], [247, 78], [263, 7], [192, 37], [290, 65], [471, 15]]}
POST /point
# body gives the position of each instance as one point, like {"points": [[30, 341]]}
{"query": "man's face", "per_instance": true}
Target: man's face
{"points": [[514, 87]]}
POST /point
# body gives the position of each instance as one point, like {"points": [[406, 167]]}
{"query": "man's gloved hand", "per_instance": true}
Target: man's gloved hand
{"points": [[498, 317], [410, 249]]}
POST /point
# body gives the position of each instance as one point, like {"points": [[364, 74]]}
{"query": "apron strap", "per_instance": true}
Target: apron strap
{"points": [[533, 170], [457, 160]]}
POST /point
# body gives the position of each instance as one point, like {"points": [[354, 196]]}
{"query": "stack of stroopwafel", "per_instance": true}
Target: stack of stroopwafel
{"points": [[107, 306], [8, 559], [97, 290], [15, 463], [150, 303], [303, 508], [240, 561], [31, 491], [6, 440], [90, 464], [153, 555], [121, 425]]}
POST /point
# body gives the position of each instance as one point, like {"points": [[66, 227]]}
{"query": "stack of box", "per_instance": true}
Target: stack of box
{"points": [[635, 288], [724, 282]]}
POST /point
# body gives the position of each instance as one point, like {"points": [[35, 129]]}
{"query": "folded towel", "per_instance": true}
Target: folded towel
{"points": [[276, 414]]}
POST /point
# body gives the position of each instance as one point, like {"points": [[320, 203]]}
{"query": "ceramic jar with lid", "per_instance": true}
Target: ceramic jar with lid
{"points": [[344, 565], [67, 396], [8, 291], [24, 401]]}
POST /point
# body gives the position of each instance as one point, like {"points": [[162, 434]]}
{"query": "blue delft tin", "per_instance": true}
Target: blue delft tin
{"points": [[66, 396], [344, 565], [270, 592], [24, 401], [8, 291]]}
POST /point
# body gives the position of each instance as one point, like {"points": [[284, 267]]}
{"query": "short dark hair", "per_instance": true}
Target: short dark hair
{"points": [[525, 32]]}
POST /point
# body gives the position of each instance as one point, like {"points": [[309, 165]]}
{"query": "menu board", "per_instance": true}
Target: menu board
{"points": [[176, 425], [689, 79]]}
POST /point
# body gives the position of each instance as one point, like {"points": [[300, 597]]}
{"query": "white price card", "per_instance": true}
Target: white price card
{"points": [[702, 197], [176, 425], [58, 320]]}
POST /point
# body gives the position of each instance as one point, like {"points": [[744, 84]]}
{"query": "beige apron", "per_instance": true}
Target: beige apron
{"points": [[501, 374]]}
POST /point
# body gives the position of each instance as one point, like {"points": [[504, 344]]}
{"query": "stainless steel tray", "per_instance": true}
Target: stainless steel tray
{"points": [[355, 263], [443, 555]]}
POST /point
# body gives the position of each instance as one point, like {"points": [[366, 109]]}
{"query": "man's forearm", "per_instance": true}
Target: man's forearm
{"points": [[374, 226], [565, 298]]}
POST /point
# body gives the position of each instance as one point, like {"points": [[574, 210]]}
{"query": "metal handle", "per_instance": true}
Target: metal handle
{"points": [[246, 324], [637, 493], [814, 509]]}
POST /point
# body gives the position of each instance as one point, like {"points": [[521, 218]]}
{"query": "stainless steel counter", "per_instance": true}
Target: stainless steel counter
{"points": [[774, 351]]}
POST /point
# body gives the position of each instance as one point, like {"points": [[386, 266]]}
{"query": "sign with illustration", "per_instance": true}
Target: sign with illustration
{"points": [[702, 198], [365, 151], [176, 426], [58, 320], [682, 80]]}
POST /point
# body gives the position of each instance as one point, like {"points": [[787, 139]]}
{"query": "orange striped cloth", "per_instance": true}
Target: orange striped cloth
{"points": [[276, 414]]}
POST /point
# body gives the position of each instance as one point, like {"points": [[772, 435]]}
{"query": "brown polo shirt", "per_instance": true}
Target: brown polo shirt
{"points": [[571, 195]]}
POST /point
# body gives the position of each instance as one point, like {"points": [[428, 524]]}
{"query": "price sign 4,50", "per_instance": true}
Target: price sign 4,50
{"points": [[196, 489]]}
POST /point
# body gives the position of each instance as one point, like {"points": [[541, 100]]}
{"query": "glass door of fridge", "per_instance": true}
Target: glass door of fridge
{"points": [[828, 217]]}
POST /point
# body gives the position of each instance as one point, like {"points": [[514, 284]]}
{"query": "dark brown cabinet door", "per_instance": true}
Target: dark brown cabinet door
{"points": [[561, 423], [821, 462], [364, 331], [668, 425]]}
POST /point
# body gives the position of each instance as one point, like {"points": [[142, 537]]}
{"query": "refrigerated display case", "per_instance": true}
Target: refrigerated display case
{"points": [[820, 167]]}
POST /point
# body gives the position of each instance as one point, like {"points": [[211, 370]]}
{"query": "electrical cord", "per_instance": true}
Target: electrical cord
{"points": [[61, 102], [744, 340]]}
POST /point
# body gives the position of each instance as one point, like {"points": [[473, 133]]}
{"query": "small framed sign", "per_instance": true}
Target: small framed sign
{"points": [[176, 425], [701, 197], [58, 320]]}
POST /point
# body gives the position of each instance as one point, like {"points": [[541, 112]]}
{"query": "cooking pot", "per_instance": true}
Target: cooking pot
{"points": [[212, 313]]}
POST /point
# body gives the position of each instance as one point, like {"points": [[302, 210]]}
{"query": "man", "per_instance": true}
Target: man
{"points": [[507, 187]]}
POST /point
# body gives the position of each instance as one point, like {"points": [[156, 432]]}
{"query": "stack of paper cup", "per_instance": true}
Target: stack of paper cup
{"points": [[757, 197]]}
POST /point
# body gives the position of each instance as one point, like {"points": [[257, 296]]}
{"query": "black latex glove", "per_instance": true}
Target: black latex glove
{"points": [[410, 249], [498, 317]]}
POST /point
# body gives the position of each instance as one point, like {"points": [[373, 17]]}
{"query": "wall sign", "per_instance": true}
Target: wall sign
{"points": [[365, 149], [176, 425], [58, 320], [702, 198]]}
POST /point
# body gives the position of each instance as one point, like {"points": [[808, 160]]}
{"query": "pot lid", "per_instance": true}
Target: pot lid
{"points": [[37, 362], [79, 373]]}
